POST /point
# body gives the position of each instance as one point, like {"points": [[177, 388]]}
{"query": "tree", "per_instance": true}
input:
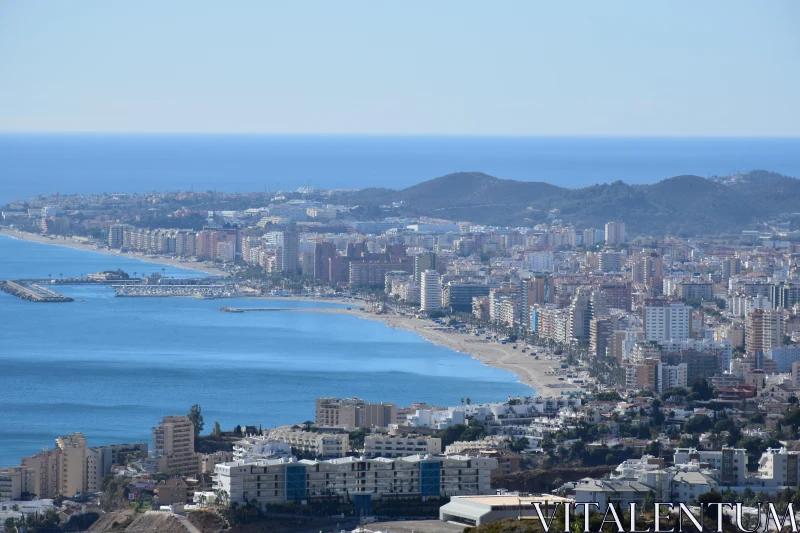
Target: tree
{"points": [[469, 401], [196, 417], [216, 431]]}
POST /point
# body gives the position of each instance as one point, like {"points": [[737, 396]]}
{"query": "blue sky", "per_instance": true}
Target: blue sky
{"points": [[713, 68]]}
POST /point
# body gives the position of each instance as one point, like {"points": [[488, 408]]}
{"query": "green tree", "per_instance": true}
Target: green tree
{"points": [[196, 417], [216, 431]]}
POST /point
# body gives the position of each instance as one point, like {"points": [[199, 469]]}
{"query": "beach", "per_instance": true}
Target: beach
{"points": [[530, 371], [205, 267]]}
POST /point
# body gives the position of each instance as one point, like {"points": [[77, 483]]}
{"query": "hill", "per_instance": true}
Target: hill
{"points": [[682, 205]]}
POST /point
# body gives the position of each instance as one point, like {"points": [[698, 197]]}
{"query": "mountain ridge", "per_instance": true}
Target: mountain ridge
{"points": [[680, 205]]}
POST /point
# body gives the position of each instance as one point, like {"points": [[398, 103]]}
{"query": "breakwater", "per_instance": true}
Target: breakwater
{"points": [[32, 292]]}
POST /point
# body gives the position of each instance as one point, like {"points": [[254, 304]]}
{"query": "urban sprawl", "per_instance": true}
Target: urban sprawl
{"points": [[667, 368]]}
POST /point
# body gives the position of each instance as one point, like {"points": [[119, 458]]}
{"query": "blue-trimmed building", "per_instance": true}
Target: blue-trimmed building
{"points": [[289, 480]]}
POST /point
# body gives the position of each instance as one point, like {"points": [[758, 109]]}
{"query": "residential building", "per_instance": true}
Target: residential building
{"points": [[352, 413], [173, 447], [72, 472], [377, 445], [286, 480], [430, 293], [763, 330], [665, 320], [615, 233], [320, 445], [422, 262]]}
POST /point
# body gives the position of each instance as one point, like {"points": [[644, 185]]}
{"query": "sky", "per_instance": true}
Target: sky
{"points": [[679, 67]]}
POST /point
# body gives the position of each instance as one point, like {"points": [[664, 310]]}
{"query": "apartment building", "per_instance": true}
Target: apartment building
{"points": [[731, 462], [393, 446], [173, 447], [615, 233], [352, 413], [319, 445], [779, 468], [763, 330], [11, 483], [430, 294], [288, 480], [665, 320], [72, 471]]}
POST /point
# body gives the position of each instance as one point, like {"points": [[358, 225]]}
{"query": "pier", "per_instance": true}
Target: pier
{"points": [[32, 292]]}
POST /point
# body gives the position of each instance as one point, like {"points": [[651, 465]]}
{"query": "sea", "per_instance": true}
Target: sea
{"points": [[113, 367], [32, 164]]}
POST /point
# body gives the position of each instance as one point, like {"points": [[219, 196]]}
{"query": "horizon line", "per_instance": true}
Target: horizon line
{"points": [[358, 134]]}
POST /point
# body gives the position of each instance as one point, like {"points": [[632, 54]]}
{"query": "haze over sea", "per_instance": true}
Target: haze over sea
{"points": [[33, 164], [112, 367]]}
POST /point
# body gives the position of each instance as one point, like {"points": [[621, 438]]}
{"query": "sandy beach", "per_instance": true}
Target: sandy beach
{"points": [[532, 372], [208, 268]]}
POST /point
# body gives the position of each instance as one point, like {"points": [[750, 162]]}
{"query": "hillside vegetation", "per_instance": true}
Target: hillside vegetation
{"points": [[682, 205]]}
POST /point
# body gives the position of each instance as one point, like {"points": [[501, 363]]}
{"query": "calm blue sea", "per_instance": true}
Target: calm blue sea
{"points": [[38, 163], [112, 367]]}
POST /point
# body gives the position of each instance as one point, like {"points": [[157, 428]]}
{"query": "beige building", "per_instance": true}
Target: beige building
{"points": [[320, 445], [44, 478], [173, 447], [11, 483], [352, 413], [391, 446], [71, 464], [763, 330]]}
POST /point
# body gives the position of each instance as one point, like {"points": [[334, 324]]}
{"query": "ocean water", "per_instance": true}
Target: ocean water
{"points": [[33, 164], [112, 367]]}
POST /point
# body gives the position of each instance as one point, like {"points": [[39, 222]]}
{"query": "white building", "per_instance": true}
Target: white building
{"points": [[430, 291], [391, 446], [287, 480], [615, 233], [664, 321], [323, 445]]}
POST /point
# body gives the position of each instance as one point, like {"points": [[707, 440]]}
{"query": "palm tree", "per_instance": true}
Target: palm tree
{"points": [[469, 401]]}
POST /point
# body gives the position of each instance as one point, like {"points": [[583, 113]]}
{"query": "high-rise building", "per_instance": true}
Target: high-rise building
{"points": [[535, 290], [616, 295], [323, 252], [290, 253], [430, 295], [615, 233], [665, 320], [648, 269], [763, 330], [173, 446], [422, 262], [784, 295], [71, 464], [731, 267], [580, 316], [601, 329]]}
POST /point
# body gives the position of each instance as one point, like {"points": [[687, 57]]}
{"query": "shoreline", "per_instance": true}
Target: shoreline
{"points": [[64, 242], [529, 371]]}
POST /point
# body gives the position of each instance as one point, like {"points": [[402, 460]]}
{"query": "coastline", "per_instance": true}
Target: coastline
{"points": [[205, 268], [529, 371]]}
